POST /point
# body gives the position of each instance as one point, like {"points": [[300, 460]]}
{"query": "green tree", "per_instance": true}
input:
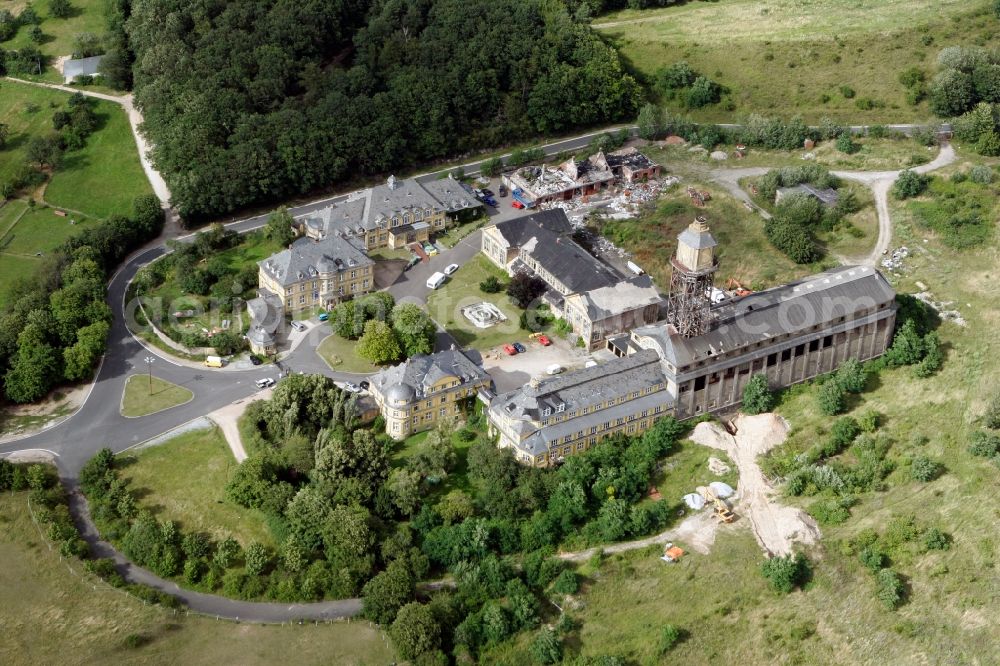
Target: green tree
{"points": [[415, 631], [4, 135], [227, 552], [831, 397], [257, 558], [378, 344], [951, 93], [851, 376], [491, 285], [846, 145], [34, 369], [36, 35], [404, 488], [649, 122], [455, 507], [148, 214], [414, 329], [924, 469], [44, 151], [386, 593], [703, 92], [889, 588], [279, 227], [491, 167], [546, 648], [60, 8], [79, 359], [757, 397]]}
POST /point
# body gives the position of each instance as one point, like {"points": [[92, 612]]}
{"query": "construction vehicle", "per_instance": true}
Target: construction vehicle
{"points": [[723, 512]]}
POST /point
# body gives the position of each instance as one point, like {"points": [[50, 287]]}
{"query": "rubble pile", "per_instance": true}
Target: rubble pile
{"points": [[621, 202], [941, 307], [895, 260]]}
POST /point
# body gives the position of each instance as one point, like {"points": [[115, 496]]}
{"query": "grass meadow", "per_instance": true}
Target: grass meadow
{"points": [[791, 57]]}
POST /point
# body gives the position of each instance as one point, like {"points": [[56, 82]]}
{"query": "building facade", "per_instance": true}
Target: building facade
{"points": [[608, 311], [552, 418], [418, 393], [316, 273], [395, 214]]}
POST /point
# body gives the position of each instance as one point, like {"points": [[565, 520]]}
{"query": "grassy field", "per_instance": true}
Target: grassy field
{"points": [[782, 57], [341, 355], [461, 289], [54, 616], [60, 34], [103, 177], [139, 399], [184, 479]]}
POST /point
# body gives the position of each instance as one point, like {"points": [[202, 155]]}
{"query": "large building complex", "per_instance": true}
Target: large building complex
{"points": [[393, 215], [416, 394], [700, 358], [594, 298]]}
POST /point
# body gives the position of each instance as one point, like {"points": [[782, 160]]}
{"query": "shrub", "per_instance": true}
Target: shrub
{"points": [[786, 572], [491, 285], [873, 558], [567, 582], [981, 174], [889, 588], [924, 469], [985, 444], [910, 184], [868, 420], [757, 397], [546, 648], [846, 145], [831, 511], [851, 376], [831, 397], [415, 631], [935, 539], [847, 92], [670, 636], [843, 432]]}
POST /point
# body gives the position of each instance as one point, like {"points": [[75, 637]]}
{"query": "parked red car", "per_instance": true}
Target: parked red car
{"points": [[516, 204], [544, 341], [509, 350]]}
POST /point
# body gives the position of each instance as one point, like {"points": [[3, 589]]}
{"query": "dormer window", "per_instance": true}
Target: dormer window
{"points": [[561, 407], [547, 411]]}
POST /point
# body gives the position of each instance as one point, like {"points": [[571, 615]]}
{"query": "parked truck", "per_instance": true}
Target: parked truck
{"points": [[214, 361]]}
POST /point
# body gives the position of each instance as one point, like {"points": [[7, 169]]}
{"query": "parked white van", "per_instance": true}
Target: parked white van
{"points": [[435, 281]]}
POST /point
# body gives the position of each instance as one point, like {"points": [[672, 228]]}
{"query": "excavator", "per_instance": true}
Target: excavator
{"points": [[721, 509]]}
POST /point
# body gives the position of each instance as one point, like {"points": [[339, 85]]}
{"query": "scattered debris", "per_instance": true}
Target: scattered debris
{"points": [[671, 553], [809, 156], [895, 260], [719, 155], [941, 307], [697, 149], [717, 467]]}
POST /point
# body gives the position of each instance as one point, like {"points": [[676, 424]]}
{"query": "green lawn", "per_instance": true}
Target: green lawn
{"points": [[143, 397], [41, 230], [184, 479], [341, 355], [50, 613], [100, 179], [104, 176], [60, 34], [462, 289], [781, 56]]}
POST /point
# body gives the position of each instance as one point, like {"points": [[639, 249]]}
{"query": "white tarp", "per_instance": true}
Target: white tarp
{"points": [[721, 489], [694, 500]]}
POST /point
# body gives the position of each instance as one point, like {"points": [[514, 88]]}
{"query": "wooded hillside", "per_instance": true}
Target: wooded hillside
{"points": [[249, 100]]}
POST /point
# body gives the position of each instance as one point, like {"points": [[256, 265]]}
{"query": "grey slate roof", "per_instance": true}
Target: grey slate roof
{"points": [[374, 207], [697, 240], [541, 440], [793, 308], [414, 377], [518, 230], [81, 67], [582, 388], [545, 237], [266, 314], [308, 258], [630, 294]]}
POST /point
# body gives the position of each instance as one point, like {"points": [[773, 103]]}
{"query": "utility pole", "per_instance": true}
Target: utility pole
{"points": [[149, 367]]}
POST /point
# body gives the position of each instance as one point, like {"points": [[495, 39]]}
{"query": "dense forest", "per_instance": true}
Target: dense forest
{"points": [[248, 100]]}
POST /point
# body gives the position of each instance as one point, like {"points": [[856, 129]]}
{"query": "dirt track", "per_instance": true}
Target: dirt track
{"points": [[775, 526]]}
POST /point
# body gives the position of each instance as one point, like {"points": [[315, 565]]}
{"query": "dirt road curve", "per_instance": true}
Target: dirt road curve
{"points": [[775, 526]]}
